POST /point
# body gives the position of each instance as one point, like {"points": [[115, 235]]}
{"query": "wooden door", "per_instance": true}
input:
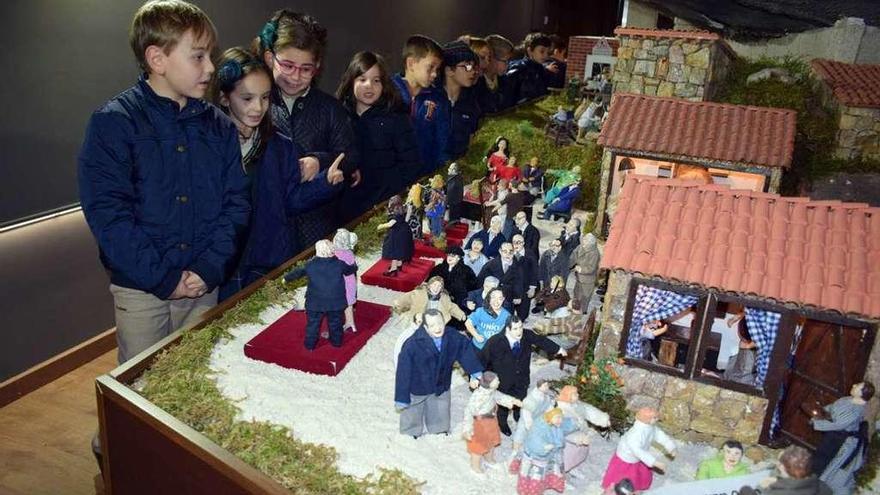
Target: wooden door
{"points": [[829, 359]]}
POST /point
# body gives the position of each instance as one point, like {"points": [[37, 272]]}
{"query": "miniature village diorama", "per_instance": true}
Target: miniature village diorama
{"points": [[480, 332]]}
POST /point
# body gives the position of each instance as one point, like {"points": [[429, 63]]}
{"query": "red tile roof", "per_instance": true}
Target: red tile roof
{"points": [[854, 85], [704, 130], [666, 33], [819, 253]]}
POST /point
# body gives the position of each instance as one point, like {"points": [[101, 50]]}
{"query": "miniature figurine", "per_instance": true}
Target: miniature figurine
{"points": [[488, 320], [343, 244], [577, 443], [477, 296], [533, 176], [424, 375], [561, 115], [492, 237], [563, 178], [633, 458], [398, 244], [454, 193], [726, 464], [585, 262], [529, 232], [556, 303], [509, 274], [458, 278], [538, 401], [508, 171], [509, 354], [795, 476], [563, 202], [413, 305], [436, 207], [588, 120], [414, 211], [480, 428], [498, 155], [570, 236], [529, 266], [553, 263], [843, 448], [474, 257], [742, 369], [325, 292], [540, 469]]}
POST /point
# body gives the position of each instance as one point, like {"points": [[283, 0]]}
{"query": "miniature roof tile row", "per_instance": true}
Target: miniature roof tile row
{"points": [[693, 34], [708, 131], [855, 85], [819, 253]]}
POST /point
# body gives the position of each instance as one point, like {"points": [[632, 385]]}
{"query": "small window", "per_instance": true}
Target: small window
{"points": [[665, 22], [662, 324]]}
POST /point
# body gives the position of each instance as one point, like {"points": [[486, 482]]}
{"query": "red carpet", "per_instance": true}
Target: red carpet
{"points": [[457, 231], [413, 273], [282, 342], [423, 250]]}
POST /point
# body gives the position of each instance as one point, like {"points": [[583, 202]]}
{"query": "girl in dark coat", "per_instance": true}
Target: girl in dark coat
{"points": [[398, 244], [511, 362], [386, 142], [241, 89], [292, 45], [325, 295]]}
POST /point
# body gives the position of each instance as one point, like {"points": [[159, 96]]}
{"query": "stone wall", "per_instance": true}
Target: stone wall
{"points": [[680, 67], [689, 410], [858, 133]]}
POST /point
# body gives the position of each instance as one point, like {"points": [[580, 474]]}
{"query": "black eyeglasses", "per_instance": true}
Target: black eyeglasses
{"points": [[467, 66]]}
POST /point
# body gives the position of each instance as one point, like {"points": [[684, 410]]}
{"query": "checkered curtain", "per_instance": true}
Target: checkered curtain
{"points": [[763, 326], [652, 304]]}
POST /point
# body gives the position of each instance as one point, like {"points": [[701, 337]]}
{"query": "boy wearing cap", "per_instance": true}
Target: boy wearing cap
{"points": [[460, 74]]}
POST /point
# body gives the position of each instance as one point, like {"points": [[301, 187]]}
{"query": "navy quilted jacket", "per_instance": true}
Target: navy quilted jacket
{"points": [[162, 190], [429, 114]]}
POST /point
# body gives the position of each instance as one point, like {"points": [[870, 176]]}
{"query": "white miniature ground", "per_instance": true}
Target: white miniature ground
{"points": [[354, 411]]}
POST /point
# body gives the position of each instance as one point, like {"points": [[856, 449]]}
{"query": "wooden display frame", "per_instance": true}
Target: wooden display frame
{"points": [[147, 450]]}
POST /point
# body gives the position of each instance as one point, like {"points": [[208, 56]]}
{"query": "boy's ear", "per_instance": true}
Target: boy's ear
{"points": [[224, 100], [409, 63], [155, 57]]}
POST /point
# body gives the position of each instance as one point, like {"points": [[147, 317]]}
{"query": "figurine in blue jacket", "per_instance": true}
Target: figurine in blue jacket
{"points": [[424, 375], [325, 294]]}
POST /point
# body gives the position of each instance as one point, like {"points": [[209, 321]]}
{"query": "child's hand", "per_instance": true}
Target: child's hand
{"points": [[334, 175], [309, 167], [194, 284], [181, 290]]}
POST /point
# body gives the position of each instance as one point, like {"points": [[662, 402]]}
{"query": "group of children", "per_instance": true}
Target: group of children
{"points": [[207, 174]]}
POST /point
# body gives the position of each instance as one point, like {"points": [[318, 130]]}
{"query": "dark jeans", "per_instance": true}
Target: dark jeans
{"points": [[313, 325]]}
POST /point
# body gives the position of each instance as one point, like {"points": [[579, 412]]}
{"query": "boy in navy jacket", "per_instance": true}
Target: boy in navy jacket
{"points": [[161, 182], [528, 77], [325, 294], [428, 109], [424, 375], [459, 75]]}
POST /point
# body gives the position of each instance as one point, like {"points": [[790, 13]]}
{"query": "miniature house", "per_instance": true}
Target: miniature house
{"points": [[853, 91], [802, 278], [684, 64], [589, 55], [740, 146]]}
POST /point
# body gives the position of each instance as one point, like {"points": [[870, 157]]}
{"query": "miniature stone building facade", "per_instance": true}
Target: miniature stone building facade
{"points": [[853, 91], [683, 64], [806, 261]]}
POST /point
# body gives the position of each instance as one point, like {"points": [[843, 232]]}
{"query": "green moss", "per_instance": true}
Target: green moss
{"points": [[816, 124], [522, 127], [180, 383]]}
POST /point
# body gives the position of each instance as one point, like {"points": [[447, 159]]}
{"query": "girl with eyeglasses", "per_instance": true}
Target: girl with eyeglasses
{"points": [[241, 88], [292, 45]]}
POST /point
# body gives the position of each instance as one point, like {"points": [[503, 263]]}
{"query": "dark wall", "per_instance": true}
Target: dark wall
{"points": [[64, 59]]}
